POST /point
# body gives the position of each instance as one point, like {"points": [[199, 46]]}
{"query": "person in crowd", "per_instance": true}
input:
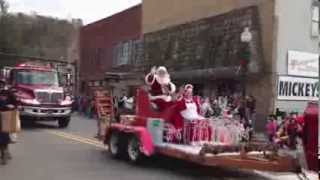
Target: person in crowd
{"points": [[126, 104], [161, 87], [216, 109], [206, 109], [287, 133], [80, 104], [86, 105], [250, 108], [289, 136], [116, 108], [7, 102], [230, 100], [179, 95], [222, 101], [93, 109], [242, 110], [271, 128]]}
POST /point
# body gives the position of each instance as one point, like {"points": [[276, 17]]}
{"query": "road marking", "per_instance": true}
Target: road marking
{"points": [[78, 139]]}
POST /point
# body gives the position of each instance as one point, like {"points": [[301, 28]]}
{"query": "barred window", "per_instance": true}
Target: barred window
{"points": [[125, 53]]}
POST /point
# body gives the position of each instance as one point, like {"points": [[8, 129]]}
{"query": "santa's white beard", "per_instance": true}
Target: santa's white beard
{"points": [[163, 80]]}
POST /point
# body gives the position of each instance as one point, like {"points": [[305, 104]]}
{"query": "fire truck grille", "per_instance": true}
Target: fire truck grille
{"points": [[46, 97]]}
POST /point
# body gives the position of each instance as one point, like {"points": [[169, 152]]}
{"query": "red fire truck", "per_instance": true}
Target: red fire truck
{"points": [[39, 93], [141, 134]]}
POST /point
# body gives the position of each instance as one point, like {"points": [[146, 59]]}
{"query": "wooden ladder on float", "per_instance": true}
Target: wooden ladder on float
{"points": [[104, 106]]}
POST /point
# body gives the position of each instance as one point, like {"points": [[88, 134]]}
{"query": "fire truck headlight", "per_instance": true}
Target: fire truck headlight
{"points": [[66, 101], [68, 98], [30, 101]]}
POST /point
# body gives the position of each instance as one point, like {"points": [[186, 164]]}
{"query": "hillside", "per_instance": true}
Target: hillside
{"points": [[35, 35]]}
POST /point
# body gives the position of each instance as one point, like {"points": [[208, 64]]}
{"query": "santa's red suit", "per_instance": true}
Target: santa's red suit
{"points": [[161, 89], [187, 117]]}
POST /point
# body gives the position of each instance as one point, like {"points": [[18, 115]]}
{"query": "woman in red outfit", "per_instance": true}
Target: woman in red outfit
{"points": [[187, 117]]}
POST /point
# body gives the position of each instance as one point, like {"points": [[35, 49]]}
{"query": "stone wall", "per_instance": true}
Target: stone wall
{"points": [[207, 43]]}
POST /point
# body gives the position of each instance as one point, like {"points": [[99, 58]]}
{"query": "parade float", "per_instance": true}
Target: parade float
{"points": [[160, 125]]}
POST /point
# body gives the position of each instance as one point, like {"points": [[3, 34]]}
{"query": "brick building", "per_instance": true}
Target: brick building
{"points": [[106, 45]]}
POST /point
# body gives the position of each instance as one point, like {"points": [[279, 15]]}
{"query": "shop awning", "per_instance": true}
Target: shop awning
{"points": [[207, 74], [122, 75]]}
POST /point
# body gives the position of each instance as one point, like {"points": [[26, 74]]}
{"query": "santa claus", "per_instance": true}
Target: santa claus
{"points": [[161, 88], [187, 117]]}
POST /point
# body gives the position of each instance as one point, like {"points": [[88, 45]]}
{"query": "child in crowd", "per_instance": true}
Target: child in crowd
{"points": [[271, 128]]}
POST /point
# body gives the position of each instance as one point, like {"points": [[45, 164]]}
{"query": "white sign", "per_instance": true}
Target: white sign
{"points": [[296, 88], [303, 64]]}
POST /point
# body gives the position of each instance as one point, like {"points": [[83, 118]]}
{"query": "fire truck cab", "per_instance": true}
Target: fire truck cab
{"points": [[39, 93]]}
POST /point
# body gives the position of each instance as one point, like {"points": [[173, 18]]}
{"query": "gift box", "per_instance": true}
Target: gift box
{"points": [[10, 122]]}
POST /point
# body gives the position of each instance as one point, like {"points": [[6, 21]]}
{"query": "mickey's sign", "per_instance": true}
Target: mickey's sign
{"points": [[298, 88]]}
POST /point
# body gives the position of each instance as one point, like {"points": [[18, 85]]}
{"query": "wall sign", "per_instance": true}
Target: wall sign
{"points": [[303, 64], [296, 88]]}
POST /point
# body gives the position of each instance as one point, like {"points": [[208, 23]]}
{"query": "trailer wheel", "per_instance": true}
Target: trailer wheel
{"points": [[133, 150], [114, 145]]}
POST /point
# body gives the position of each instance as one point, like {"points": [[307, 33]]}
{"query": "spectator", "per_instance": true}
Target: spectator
{"points": [[287, 133], [93, 109], [206, 109], [271, 128], [242, 110], [126, 102], [216, 108], [179, 95], [250, 109], [7, 102]]}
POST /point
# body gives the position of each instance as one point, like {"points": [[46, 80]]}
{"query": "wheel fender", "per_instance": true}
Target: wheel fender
{"points": [[146, 144], [107, 134]]}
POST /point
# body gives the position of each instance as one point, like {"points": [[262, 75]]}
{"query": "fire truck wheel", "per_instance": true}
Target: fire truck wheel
{"points": [[64, 122], [134, 153]]}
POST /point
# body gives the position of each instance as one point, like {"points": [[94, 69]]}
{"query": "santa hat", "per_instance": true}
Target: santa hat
{"points": [[162, 68]]}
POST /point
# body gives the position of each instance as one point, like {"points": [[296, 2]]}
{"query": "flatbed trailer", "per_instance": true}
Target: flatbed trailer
{"points": [[133, 139], [251, 160]]}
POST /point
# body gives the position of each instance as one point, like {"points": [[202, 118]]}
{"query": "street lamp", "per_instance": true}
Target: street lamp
{"points": [[246, 35], [246, 38]]}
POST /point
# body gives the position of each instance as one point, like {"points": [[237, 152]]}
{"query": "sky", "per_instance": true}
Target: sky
{"points": [[87, 10]]}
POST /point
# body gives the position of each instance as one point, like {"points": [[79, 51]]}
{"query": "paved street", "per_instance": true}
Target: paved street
{"points": [[45, 152]]}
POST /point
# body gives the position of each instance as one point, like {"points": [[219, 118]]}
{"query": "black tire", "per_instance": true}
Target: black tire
{"points": [[133, 150], [64, 122], [117, 145]]}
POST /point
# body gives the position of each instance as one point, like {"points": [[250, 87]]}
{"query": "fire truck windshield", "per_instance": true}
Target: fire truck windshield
{"points": [[37, 77]]}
